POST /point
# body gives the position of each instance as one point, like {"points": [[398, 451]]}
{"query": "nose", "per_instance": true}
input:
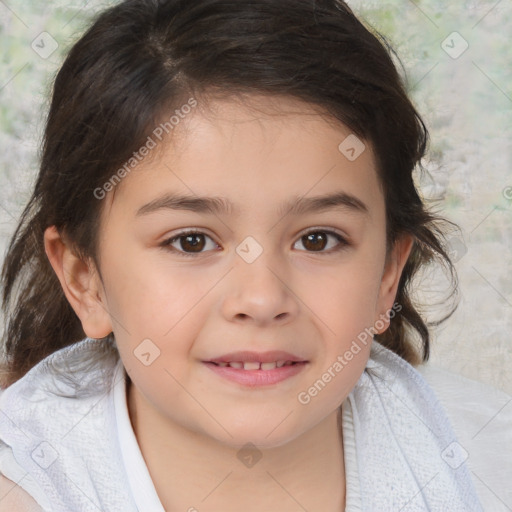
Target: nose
{"points": [[260, 292]]}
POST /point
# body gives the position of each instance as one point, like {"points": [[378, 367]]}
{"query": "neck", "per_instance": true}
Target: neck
{"points": [[192, 471]]}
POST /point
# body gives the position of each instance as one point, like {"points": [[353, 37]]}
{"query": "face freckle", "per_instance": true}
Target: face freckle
{"points": [[257, 282]]}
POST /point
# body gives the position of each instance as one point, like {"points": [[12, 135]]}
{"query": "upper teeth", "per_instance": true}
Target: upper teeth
{"points": [[254, 365]]}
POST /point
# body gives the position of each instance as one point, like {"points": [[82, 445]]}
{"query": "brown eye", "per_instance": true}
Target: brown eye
{"points": [[317, 241], [188, 243], [193, 243]]}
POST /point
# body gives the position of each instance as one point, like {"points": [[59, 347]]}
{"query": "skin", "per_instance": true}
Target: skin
{"points": [[15, 498], [305, 299]]}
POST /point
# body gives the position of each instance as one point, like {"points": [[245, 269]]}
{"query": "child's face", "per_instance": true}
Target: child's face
{"points": [[255, 282]]}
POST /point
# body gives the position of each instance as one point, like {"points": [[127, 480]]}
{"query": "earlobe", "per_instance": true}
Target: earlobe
{"points": [[80, 283], [391, 277]]}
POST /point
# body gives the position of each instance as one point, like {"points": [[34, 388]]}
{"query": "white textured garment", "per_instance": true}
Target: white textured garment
{"points": [[69, 442]]}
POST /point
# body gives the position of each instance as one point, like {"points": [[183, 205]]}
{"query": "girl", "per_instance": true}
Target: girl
{"points": [[209, 293]]}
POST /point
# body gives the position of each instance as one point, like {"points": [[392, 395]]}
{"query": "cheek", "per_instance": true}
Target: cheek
{"points": [[345, 298], [160, 365], [344, 305], [149, 300], [155, 317]]}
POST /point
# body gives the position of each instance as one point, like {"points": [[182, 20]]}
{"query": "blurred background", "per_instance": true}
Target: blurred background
{"points": [[457, 63]]}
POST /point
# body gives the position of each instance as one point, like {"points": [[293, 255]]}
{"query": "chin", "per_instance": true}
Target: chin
{"points": [[264, 436]]}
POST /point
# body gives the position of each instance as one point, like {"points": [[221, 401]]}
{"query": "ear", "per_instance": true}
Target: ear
{"points": [[394, 266], [81, 284]]}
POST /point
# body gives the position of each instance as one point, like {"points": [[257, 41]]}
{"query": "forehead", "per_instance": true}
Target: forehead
{"points": [[255, 150]]}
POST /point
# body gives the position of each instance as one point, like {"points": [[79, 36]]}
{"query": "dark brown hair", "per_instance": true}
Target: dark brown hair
{"points": [[143, 57]]}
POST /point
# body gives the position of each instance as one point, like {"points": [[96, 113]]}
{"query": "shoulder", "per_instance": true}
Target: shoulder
{"points": [[15, 499], [83, 369], [481, 417], [470, 402], [479, 413]]}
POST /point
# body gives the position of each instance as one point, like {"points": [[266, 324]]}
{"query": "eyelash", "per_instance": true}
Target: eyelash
{"points": [[343, 243]]}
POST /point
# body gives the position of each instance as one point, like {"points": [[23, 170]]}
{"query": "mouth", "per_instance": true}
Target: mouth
{"points": [[255, 373], [255, 365]]}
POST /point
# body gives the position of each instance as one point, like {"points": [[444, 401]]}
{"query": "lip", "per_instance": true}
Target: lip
{"points": [[262, 357], [255, 378]]}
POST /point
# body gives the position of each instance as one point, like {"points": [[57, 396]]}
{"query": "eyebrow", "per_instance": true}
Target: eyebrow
{"points": [[217, 205]]}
